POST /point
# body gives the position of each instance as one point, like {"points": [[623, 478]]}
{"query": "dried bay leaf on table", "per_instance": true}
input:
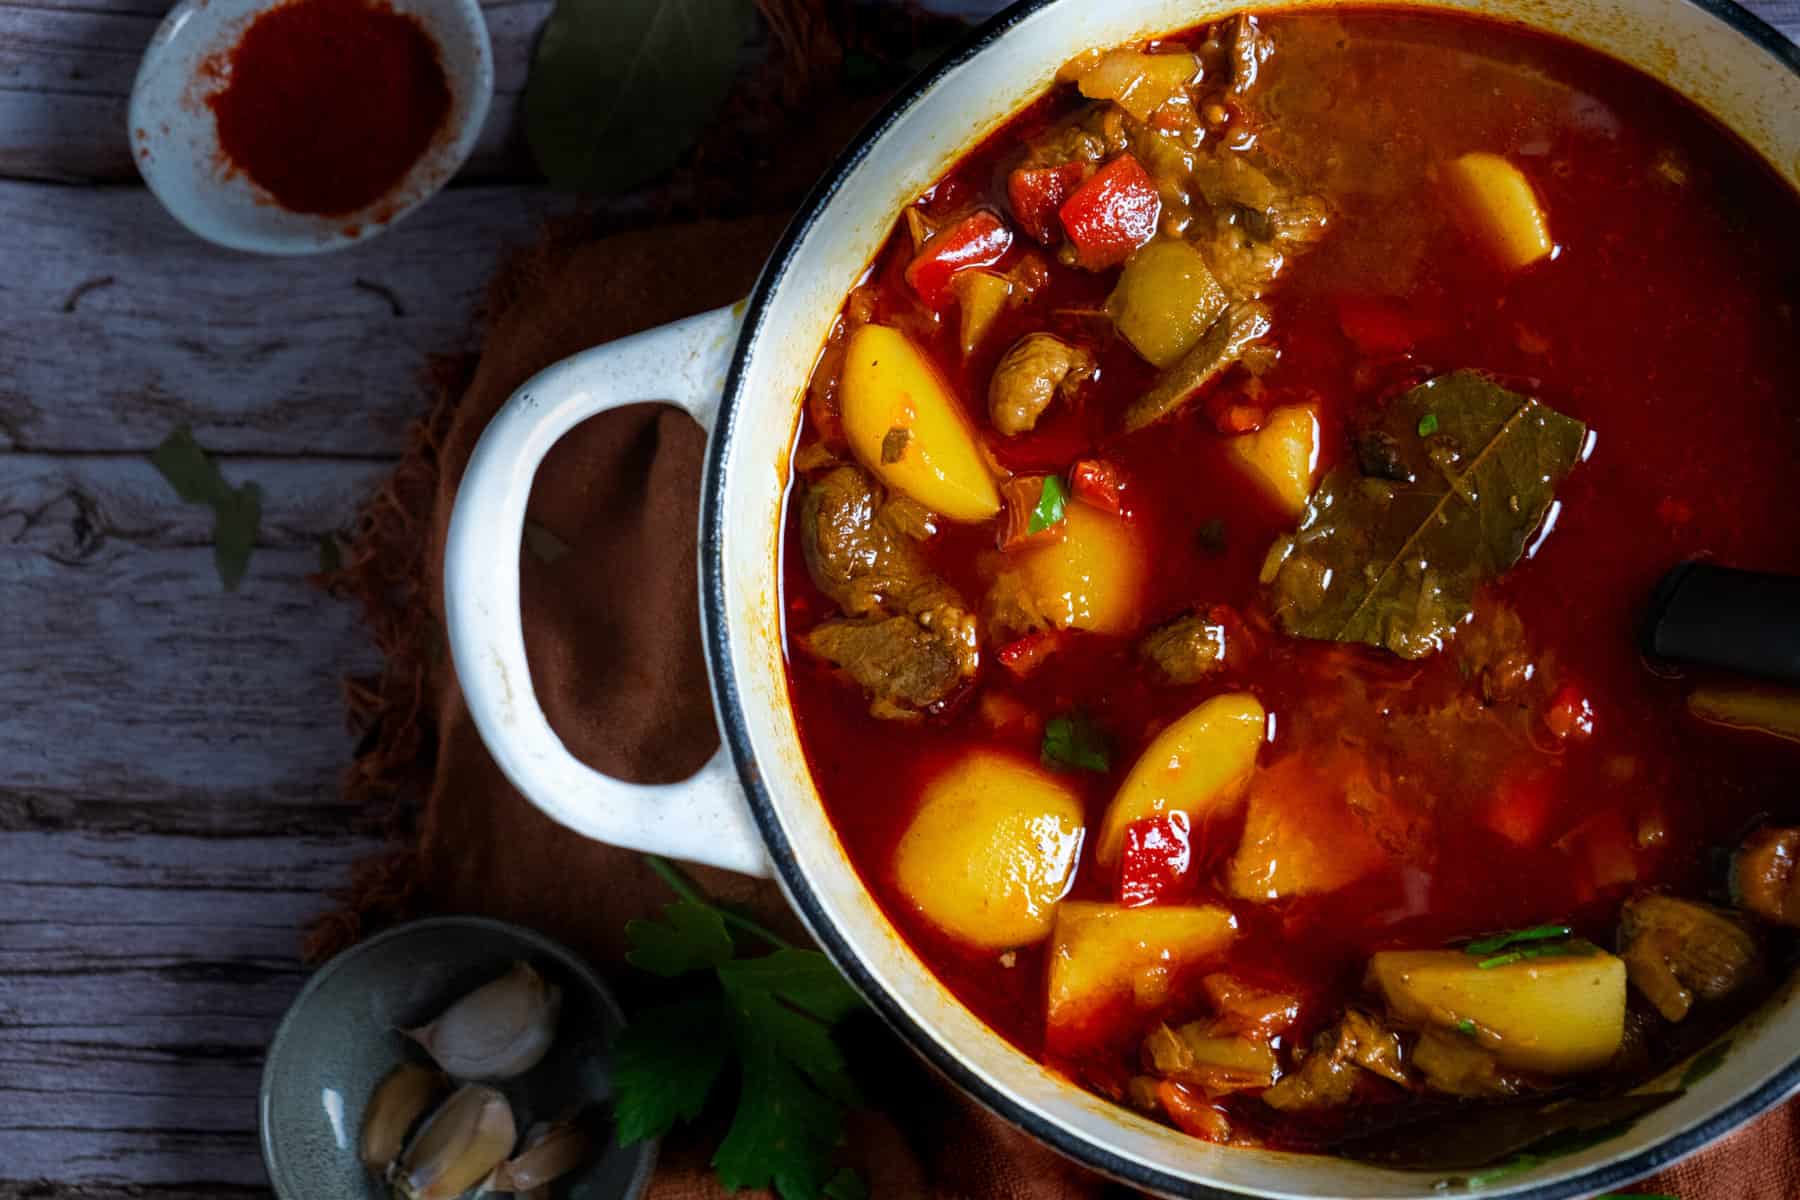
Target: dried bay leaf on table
{"points": [[237, 512], [1393, 558], [620, 89]]}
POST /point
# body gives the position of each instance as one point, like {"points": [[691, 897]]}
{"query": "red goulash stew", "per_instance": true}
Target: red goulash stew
{"points": [[1218, 524]]}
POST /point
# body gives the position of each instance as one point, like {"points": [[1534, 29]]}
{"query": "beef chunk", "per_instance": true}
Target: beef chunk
{"points": [[1763, 875], [1039, 368], [904, 663], [908, 640], [1250, 48], [1186, 650], [1340, 1054], [1679, 951]]}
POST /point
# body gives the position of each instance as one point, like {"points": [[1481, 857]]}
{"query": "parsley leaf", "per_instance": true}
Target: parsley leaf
{"points": [[846, 1185], [1499, 941], [237, 512], [1428, 424], [1467, 1028], [666, 1062], [1573, 948], [691, 936], [802, 978], [1072, 741], [1705, 1063], [774, 1014], [1052, 501]]}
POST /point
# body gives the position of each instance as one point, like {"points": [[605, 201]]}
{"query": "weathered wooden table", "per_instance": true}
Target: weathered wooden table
{"points": [[169, 752]]}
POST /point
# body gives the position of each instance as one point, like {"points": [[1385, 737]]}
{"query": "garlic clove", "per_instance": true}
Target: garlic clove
{"points": [[549, 1153], [394, 1108], [498, 1031], [459, 1146]]}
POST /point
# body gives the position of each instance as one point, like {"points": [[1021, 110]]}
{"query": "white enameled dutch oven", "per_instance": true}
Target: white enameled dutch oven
{"points": [[741, 372]]}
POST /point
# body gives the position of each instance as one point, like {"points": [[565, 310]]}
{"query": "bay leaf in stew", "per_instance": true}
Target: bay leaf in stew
{"points": [[1394, 558], [1466, 1138]]}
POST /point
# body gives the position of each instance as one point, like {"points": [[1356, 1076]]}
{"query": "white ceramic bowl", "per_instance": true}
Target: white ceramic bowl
{"points": [[175, 142], [741, 372]]}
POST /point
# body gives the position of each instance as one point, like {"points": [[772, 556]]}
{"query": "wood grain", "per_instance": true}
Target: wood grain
{"points": [[127, 326], [140, 694], [140, 978]]}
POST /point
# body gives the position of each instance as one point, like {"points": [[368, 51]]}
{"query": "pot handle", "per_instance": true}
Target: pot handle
{"points": [[703, 818]]}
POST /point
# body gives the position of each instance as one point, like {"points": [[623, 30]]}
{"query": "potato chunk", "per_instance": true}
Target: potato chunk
{"points": [[1165, 300], [991, 850], [1107, 961], [904, 425], [1282, 456], [1301, 836], [1502, 210], [1140, 83], [1198, 765], [1557, 1016], [1092, 579]]}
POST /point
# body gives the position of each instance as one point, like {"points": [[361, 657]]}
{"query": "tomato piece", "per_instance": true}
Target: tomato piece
{"points": [[1111, 214], [1519, 811], [980, 239], [1378, 328], [1570, 715], [1233, 412], [1153, 862], [1024, 655], [1035, 194], [1193, 1115], [1097, 482]]}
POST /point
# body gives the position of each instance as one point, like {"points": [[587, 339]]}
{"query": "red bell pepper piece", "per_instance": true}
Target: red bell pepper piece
{"points": [[1035, 194], [1570, 716], [1519, 811], [980, 239], [1154, 859], [1383, 329], [1100, 484], [1193, 1115], [1023, 656], [1111, 214], [1377, 328]]}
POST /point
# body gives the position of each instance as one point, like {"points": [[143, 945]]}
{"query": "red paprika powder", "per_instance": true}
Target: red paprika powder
{"points": [[327, 104]]}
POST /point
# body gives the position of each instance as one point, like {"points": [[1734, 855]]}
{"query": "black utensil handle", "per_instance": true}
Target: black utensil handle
{"points": [[1722, 617]]}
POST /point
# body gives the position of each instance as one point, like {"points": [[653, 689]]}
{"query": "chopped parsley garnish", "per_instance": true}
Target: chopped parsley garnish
{"points": [[1072, 742], [1499, 941], [1052, 501], [1428, 424], [1573, 948], [1466, 1027]]}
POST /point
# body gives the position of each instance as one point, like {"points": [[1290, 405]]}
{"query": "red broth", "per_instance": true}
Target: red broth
{"points": [[1665, 321]]}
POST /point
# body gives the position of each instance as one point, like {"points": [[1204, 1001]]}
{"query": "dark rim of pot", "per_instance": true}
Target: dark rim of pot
{"points": [[715, 621]]}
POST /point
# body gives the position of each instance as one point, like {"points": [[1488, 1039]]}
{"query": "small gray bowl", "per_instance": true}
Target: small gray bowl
{"points": [[338, 1041]]}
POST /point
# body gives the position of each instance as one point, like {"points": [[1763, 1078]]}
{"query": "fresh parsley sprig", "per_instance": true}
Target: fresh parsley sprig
{"points": [[773, 1013]]}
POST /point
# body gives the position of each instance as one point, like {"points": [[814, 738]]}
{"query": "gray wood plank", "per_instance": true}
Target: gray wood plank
{"points": [[66, 68], [140, 978], [142, 696], [127, 325]]}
